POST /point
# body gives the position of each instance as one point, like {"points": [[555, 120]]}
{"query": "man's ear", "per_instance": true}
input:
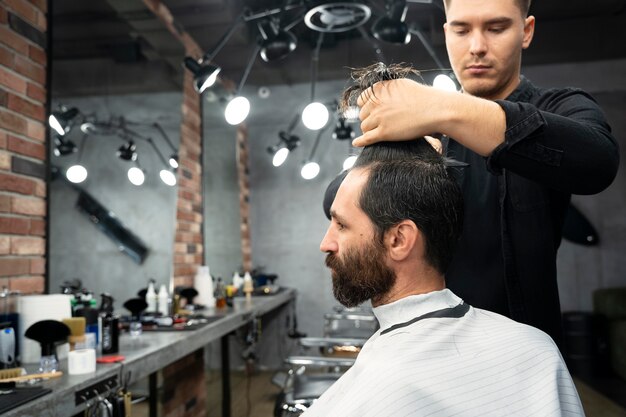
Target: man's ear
{"points": [[529, 31], [402, 239]]}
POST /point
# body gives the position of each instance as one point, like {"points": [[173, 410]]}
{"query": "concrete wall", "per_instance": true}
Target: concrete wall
{"points": [[287, 221], [78, 249]]}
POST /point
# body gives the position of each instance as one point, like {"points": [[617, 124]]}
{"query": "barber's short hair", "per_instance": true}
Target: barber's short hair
{"points": [[523, 5], [408, 180]]}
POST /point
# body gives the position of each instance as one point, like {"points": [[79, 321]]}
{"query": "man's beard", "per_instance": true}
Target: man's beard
{"points": [[360, 276]]}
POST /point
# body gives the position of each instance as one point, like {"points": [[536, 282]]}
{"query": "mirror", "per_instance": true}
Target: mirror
{"points": [[106, 231]]}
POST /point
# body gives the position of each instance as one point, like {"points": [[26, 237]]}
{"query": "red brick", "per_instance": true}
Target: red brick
{"points": [[11, 182], [14, 225], [30, 206], [9, 79], [13, 40], [26, 147], [28, 285], [5, 203], [37, 54], [23, 9], [38, 266], [3, 139], [42, 22], [36, 92], [14, 266], [37, 227], [35, 130], [30, 69], [4, 17], [41, 189], [6, 57], [28, 246], [5, 161], [42, 5], [13, 122], [26, 107], [5, 245]]}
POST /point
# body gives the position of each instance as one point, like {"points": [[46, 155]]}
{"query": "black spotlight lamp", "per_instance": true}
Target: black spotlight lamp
{"points": [[60, 120], [342, 130], [128, 151], [276, 43], [63, 147], [391, 27], [204, 74]]}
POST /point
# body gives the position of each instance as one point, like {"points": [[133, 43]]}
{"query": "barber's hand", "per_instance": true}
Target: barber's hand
{"points": [[396, 110]]}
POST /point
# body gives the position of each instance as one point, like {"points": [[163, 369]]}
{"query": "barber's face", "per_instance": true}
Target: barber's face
{"points": [[485, 39], [356, 257]]}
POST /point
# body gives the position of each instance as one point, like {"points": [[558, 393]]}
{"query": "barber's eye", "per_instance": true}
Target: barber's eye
{"points": [[496, 30]]}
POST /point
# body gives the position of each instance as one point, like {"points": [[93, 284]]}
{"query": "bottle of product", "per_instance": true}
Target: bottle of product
{"points": [[220, 294], [237, 281], [110, 326], [151, 298], [164, 301], [248, 286], [203, 283]]}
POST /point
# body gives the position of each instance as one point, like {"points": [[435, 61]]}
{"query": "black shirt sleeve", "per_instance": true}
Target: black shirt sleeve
{"points": [[560, 140]]}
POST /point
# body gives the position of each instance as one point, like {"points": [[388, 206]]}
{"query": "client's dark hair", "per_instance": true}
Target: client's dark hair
{"points": [[409, 180]]}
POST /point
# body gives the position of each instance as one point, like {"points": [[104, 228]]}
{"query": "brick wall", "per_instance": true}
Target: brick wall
{"points": [[188, 243], [243, 173], [22, 144]]}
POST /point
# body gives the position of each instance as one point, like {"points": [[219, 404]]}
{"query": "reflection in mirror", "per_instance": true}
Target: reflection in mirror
{"points": [[145, 208]]}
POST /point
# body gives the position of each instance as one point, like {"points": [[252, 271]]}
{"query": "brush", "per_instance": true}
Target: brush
{"points": [[45, 375], [11, 373]]}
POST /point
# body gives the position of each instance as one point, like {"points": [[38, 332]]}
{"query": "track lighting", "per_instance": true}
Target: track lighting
{"points": [[277, 43], [168, 177], [280, 152], [237, 110], [173, 161], [315, 114], [76, 174], [310, 170], [391, 27], [349, 162], [204, 74], [128, 151], [60, 120], [63, 147], [136, 176], [342, 130]]}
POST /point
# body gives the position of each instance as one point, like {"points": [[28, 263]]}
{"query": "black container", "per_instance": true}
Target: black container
{"points": [[585, 343], [110, 334]]}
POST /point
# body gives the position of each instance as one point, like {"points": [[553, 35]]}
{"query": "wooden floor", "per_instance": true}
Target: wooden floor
{"points": [[255, 397]]}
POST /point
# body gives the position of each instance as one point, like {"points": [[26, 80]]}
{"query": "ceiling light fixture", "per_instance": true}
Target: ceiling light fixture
{"points": [[60, 120], [310, 169], [128, 151], [63, 147], [287, 143], [342, 130], [238, 108], [136, 176], [276, 43], [391, 27], [315, 114], [77, 173]]}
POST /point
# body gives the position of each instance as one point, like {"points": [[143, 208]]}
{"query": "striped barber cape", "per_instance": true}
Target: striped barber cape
{"points": [[435, 356]]}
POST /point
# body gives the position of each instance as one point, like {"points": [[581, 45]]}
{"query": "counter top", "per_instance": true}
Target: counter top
{"points": [[147, 354]]}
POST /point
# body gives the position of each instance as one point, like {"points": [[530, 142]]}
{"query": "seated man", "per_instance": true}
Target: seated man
{"points": [[395, 220]]}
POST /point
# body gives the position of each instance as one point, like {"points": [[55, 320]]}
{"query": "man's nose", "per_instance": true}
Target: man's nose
{"points": [[478, 44], [328, 244]]}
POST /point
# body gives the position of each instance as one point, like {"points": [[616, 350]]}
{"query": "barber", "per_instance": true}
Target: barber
{"points": [[527, 149]]}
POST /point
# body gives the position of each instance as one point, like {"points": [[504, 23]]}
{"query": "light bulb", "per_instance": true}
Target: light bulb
{"points": [[173, 161], [315, 116], [168, 177], [349, 162], [280, 157], [54, 123], [310, 170], [237, 110], [444, 82], [351, 114], [76, 174], [136, 176]]}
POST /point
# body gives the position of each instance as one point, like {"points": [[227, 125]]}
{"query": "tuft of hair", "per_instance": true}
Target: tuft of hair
{"points": [[365, 78]]}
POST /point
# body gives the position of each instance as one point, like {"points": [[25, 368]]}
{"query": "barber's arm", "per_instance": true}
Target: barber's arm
{"points": [[569, 147]]}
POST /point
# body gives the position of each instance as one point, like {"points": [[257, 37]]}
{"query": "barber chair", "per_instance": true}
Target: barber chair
{"points": [[345, 332]]}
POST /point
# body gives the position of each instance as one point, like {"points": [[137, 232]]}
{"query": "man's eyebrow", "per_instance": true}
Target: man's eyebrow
{"points": [[334, 215], [494, 21]]}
